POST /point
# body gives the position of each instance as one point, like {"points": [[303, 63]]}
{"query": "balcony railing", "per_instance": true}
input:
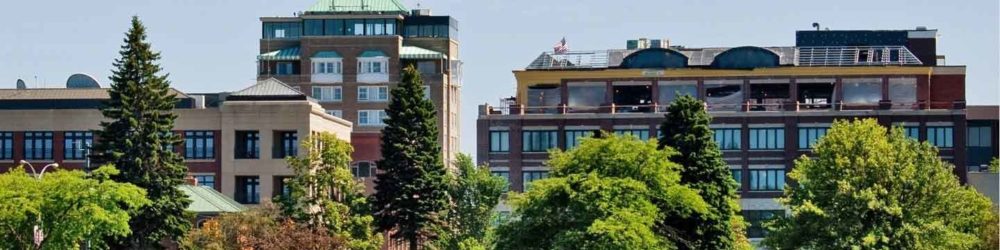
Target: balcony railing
{"points": [[748, 107]]}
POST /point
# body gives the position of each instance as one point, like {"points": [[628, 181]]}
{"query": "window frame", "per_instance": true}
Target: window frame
{"points": [[774, 179], [808, 142], [529, 145], [721, 134], [499, 141], [83, 139], [199, 145], [948, 132], [772, 138], [41, 145]]}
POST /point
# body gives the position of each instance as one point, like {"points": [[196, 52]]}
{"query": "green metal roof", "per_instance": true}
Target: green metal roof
{"points": [[207, 200], [280, 55], [372, 53], [326, 54], [356, 6], [413, 52]]}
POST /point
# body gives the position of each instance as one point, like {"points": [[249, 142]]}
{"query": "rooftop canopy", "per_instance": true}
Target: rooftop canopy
{"points": [[357, 6], [326, 54], [372, 53], [413, 52], [285, 54], [269, 89], [205, 200]]}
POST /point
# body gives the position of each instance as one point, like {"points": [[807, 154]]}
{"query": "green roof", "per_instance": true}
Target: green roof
{"points": [[358, 6], [326, 54], [280, 55], [207, 200], [372, 53], [413, 52]]}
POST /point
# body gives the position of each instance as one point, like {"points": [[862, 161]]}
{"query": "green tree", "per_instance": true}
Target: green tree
{"points": [[607, 193], [411, 198], [868, 188], [475, 192], [702, 168], [262, 227], [136, 133], [67, 206], [994, 165], [325, 195]]}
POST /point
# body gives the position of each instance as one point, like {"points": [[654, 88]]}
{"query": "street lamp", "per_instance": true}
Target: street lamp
{"points": [[38, 175], [38, 234]]}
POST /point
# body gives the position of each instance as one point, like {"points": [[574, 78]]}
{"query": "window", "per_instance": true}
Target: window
{"points": [[538, 141], [375, 65], [38, 145], [941, 137], [912, 132], [313, 27], [767, 179], [373, 93], [333, 27], [808, 136], [506, 177], [354, 27], [328, 67], [328, 93], [767, 138], [281, 187], [671, 90], [499, 141], [199, 145], [757, 218], [531, 176], [427, 92], [371, 117], [75, 144], [248, 189], [6, 145], [573, 137], [727, 138], [863, 56], [738, 177], [724, 95], [586, 96], [363, 169], [979, 136], [284, 68], [247, 145], [205, 180], [282, 30], [335, 112], [286, 144], [642, 134], [862, 91], [980, 150], [903, 92]]}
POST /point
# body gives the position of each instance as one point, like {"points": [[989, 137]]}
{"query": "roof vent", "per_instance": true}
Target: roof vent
{"points": [[921, 27], [81, 81], [421, 12], [21, 85]]}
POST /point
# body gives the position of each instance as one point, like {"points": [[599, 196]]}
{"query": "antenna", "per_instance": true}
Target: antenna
{"points": [[816, 25]]}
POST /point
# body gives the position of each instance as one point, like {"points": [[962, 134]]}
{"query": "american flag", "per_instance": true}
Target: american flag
{"points": [[560, 47]]}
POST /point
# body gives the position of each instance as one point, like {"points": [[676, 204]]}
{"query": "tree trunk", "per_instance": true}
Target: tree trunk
{"points": [[413, 244]]}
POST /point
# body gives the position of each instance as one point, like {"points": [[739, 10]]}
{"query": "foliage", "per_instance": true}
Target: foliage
{"points": [[259, 228], [325, 195], [607, 193], [475, 192], [994, 165], [411, 198], [68, 206], [138, 125], [868, 188], [686, 129]]}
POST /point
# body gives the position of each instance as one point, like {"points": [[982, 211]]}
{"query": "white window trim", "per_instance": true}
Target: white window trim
{"points": [[365, 76], [326, 77], [332, 91], [372, 93], [377, 114]]}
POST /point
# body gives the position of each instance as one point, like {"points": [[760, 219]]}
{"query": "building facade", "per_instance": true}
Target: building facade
{"points": [[233, 142], [769, 104], [348, 55]]}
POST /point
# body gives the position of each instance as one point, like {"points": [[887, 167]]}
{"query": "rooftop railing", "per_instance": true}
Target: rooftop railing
{"points": [[745, 107]]}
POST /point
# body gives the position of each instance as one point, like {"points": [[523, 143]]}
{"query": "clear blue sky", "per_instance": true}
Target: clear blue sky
{"points": [[211, 46]]}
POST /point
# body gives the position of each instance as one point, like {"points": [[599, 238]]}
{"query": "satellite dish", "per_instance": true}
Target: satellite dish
{"points": [[21, 85], [81, 81]]}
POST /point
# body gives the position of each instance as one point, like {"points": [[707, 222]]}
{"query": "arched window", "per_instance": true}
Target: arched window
{"points": [[363, 169], [654, 58], [747, 57]]}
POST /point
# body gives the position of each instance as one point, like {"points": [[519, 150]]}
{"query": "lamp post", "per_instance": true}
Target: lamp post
{"points": [[38, 234]]}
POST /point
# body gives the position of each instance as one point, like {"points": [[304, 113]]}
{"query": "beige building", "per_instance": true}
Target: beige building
{"points": [[233, 142]]}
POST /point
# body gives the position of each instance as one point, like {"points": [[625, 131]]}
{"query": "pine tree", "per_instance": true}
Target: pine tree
{"points": [[411, 198], [135, 138], [686, 130]]}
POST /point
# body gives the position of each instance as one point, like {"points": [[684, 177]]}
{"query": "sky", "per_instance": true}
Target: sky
{"points": [[211, 46]]}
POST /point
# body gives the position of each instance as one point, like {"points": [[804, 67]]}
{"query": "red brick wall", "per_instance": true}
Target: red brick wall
{"points": [[946, 89]]}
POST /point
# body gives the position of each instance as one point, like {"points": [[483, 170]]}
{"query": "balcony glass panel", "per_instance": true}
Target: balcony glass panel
{"points": [[768, 97], [586, 96], [671, 90], [862, 91], [725, 95], [632, 96], [903, 92], [544, 98]]}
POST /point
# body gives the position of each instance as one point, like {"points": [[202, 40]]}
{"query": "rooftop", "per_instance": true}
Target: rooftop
{"points": [[357, 6], [207, 200]]}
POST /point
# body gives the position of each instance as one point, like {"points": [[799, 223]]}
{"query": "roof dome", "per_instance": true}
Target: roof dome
{"points": [[654, 58]]}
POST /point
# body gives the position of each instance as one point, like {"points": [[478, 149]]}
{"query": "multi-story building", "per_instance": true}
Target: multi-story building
{"points": [[234, 142], [769, 104], [348, 55]]}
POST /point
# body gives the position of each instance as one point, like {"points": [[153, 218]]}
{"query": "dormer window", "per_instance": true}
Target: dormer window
{"points": [[373, 67], [327, 67]]}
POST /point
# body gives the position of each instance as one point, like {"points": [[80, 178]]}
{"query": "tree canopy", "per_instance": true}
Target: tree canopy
{"points": [[67, 206], [475, 193], [869, 188], [607, 193]]}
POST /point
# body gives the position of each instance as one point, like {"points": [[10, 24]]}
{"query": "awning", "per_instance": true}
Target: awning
{"points": [[411, 52], [205, 200], [372, 53], [280, 55], [326, 54]]}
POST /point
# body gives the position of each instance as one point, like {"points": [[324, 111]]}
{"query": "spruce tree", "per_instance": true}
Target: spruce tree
{"points": [[411, 198], [686, 130], [135, 138]]}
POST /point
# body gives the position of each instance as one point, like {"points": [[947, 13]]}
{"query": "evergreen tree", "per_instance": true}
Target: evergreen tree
{"points": [[686, 130], [411, 198], [135, 138], [324, 194]]}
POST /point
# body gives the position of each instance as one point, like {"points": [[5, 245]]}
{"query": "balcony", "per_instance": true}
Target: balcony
{"points": [[751, 106], [327, 78]]}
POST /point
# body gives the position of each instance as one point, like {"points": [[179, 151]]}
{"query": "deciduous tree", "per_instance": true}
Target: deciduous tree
{"points": [[475, 192]]}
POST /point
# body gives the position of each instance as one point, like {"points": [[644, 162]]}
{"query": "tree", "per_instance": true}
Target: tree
{"points": [[411, 198], [702, 168], [476, 192], [325, 195], [262, 227], [868, 188], [66, 205], [135, 138], [994, 165], [607, 193]]}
